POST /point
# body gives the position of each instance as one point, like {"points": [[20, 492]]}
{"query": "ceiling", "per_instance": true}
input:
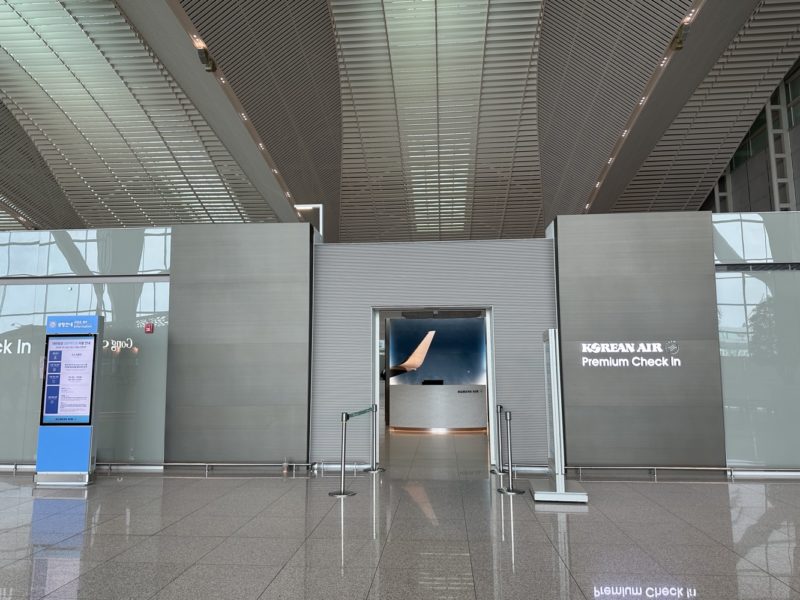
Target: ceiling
{"points": [[406, 119], [118, 136]]}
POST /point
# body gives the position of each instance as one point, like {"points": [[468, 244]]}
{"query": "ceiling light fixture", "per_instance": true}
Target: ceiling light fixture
{"points": [[244, 116], [261, 145]]}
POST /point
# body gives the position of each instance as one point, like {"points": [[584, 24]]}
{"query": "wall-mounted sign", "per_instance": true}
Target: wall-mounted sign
{"points": [[71, 324], [14, 347], [630, 354], [68, 384]]}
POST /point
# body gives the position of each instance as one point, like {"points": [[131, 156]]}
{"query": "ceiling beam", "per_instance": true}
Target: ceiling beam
{"points": [[166, 30]]}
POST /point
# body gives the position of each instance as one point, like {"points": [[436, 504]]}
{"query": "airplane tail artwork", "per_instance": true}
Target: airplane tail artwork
{"points": [[415, 360]]}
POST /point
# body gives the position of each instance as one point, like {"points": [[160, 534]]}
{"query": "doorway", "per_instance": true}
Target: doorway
{"points": [[434, 385]]}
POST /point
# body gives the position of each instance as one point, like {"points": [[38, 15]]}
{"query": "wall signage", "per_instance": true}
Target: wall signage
{"points": [[14, 347], [68, 385], [72, 324], [630, 354]]}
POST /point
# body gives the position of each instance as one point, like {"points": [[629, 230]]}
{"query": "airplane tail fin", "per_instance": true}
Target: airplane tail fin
{"points": [[414, 362]]}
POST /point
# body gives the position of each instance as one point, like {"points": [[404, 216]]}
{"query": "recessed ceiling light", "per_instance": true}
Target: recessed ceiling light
{"points": [[244, 116], [597, 185], [624, 132], [610, 160], [261, 145]]}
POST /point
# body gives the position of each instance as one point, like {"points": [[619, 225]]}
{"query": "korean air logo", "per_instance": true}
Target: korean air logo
{"points": [[53, 324], [672, 347]]}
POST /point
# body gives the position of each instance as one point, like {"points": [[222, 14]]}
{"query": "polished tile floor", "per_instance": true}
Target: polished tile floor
{"points": [[432, 526]]}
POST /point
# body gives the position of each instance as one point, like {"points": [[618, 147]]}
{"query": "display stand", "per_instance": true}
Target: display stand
{"points": [[556, 488], [65, 452]]}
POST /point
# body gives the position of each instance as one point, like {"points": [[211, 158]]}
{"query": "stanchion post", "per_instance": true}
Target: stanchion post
{"points": [[341, 492], [498, 470], [373, 463], [510, 489]]}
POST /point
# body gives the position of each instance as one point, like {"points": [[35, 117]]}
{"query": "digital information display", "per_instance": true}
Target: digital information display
{"points": [[69, 372]]}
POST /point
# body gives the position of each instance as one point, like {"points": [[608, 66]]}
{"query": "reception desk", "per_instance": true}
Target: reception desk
{"points": [[438, 407]]}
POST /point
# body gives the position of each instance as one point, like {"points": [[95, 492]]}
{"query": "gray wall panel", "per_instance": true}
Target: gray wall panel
{"points": [[514, 277], [237, 388], [640, 278]]}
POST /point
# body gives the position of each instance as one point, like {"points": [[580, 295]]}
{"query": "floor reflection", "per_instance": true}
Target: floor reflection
{"points": [[429, 527]]}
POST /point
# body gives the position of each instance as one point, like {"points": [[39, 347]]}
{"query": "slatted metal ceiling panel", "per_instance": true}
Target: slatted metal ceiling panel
{"points": [[434, 147], [373, 204], [595, 60], [6, 220], [279, 57], [125, 144], [506, 187], [684, 165], [27, 187]]}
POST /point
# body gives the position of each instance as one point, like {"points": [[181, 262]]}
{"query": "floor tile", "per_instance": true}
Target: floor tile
{"points": [[422, 583], [252, 551], [169, 549], [231, 582], [355, 553], [37, 577], [205, 525], [321, 583], [428, 529], [119, 581], [401, 554], [91, 547], [278, 527], [522, 584], [607, 558]]}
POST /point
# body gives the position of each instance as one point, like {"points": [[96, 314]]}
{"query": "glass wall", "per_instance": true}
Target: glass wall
{"points": [[758, 287], [131, 376], [760, 350], [85, 252]]}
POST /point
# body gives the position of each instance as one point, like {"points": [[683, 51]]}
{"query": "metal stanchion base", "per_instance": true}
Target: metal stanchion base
{"points": [[495, 471], [341, 494], [510, 491], [375, 470]]}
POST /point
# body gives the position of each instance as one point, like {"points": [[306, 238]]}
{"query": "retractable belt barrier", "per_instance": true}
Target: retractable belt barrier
{"points": [[510, 489], [342, 492]]}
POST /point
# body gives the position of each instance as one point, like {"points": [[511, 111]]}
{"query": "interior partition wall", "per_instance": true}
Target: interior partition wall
{"points": [[512, 278], [121, 275], [239, 344], [639, 341]]}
